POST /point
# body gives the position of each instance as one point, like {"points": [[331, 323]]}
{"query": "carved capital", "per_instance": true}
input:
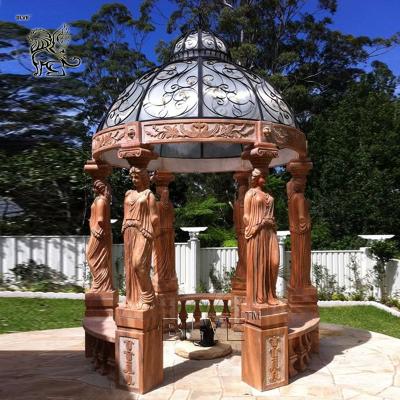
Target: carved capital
{"points": [[137, 156], [242, 177], [163, 178], [299, 168], [284, 137], [97, 169], [261, 155]]}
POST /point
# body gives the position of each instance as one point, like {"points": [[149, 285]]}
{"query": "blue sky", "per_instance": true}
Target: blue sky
{"points": [[358, 17]]}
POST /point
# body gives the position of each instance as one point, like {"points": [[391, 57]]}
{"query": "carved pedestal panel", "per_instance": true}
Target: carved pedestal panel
{"points": [[101, 304], [238, 297], [265, 348], [138, 350]]}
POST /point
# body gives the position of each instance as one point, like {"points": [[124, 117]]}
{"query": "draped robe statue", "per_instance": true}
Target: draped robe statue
{"points": [[300, 233], [98, 251], [164, 245], [139, 228], [238, 208], [262, 243]]}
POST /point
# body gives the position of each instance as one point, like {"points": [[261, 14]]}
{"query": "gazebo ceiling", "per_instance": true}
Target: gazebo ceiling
{"points": [[199, 111], [200, 81]]}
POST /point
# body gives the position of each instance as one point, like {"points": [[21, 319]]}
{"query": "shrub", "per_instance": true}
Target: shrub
{"points": [[328, 288], [41, 278], [361, 286], [221, 283], [29, 273], [383, 251]]}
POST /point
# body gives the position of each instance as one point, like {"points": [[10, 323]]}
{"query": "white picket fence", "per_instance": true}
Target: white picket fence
{"points": [[67, 255]]}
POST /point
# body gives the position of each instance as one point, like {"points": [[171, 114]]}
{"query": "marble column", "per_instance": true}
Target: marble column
{"points": [[165, 281], [302, 296], [265, 345], [138, 339], [238, 281]]}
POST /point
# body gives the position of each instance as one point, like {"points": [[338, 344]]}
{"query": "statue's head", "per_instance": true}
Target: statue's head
{"points": [[257, 177], [140, 177], [101, 187]]}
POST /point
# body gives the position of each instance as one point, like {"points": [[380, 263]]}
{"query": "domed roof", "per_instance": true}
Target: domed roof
{"points": [[200, 81]]}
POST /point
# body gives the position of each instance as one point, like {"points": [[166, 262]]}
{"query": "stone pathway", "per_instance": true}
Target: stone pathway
{"points": [[50, 365]]}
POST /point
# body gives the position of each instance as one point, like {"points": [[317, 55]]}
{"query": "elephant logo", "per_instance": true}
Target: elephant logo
{"points": [[49, 51]]}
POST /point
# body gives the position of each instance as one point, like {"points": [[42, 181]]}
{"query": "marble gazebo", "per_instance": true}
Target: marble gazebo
{"points": [[199, 113]]}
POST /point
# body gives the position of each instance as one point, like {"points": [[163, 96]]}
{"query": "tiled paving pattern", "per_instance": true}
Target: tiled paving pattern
{"points": [[50, 365]]}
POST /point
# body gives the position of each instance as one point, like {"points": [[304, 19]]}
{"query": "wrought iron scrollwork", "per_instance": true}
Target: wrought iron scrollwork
{"points": [[173, 92], [127, 106], [200, 82], [226, 92]]}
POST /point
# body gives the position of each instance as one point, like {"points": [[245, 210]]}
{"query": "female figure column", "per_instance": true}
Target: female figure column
{"points": [[138, 341], [139, 228], [265, 345], [262, 243], [101, 299], [98, 251]]}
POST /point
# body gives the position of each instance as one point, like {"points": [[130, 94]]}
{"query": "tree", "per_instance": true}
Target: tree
{"points": [[34, 109], [49, 184], [310, 63], [47, 122], [110, 45], [354, 146]]}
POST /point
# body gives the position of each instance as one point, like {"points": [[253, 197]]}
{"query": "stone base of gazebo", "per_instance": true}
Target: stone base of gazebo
{"points": [[101, 334]]}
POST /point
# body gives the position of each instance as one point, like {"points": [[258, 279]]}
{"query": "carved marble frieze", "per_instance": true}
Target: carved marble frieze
{"points": [[285, 137], [200, 130], [128, 362]]}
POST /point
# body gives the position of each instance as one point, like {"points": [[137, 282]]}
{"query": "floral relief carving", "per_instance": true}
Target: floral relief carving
{"points": [[273, 351], [200, 130], [285, 137]]}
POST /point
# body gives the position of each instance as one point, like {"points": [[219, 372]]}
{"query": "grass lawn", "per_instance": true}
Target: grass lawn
{"points": [[363, 317], [18, 314], [21, 314]]}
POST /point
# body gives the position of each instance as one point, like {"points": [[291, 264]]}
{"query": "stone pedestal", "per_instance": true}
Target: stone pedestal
{"points": [[303, 299], [238, 297], [138, 349], [101, 304], [167, 295], [265, 346]]}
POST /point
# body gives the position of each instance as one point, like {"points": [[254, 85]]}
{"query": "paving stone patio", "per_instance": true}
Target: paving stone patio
{"points": [[50, 365]]}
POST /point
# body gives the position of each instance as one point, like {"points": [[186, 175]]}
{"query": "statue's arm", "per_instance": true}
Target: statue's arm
{"points": [[246, 208], [101, 209], [154, 217]]}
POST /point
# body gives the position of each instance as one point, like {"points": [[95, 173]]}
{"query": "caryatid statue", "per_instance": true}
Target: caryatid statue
{"points": [[300, 225], [164, 245], [242, 179], [262, 243], [98, 251], [140, 227]]}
